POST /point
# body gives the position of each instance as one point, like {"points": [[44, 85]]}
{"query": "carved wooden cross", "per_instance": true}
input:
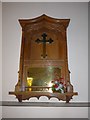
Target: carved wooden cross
{"points": [[44, 41]]}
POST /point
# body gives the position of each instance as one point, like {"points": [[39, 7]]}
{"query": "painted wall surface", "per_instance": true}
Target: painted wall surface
{"points": [[89, 56], [0, 58], [45, 112], [77, 38]]}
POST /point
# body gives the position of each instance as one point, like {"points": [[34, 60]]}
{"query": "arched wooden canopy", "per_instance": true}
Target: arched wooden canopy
{"points": [[44, 18]]}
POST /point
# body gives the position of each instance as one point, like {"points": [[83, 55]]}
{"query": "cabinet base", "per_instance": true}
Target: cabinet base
{"points": [[26, 95]]}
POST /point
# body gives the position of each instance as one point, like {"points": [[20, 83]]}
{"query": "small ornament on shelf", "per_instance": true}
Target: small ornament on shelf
{"points": [[59, 85]]}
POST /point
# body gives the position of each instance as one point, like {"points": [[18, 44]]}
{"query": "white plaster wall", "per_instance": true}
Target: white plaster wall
{"points": [[45, 112], [77, 48], [89, 56], [0, 58]]}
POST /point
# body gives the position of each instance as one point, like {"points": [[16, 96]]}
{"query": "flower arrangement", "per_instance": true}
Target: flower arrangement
{"points": [[58, 84]]}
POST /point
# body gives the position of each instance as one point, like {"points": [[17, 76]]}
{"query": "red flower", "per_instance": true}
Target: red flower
{"points": [[55, 85]]}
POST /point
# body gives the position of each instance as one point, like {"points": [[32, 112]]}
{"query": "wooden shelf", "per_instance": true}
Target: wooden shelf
{"points": [[23, 95]]}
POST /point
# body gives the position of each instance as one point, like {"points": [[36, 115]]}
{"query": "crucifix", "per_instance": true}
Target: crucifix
{"points": [[44, 41]]}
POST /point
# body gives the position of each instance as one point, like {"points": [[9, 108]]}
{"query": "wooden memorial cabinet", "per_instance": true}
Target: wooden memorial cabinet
{"points": [[43, 60]]}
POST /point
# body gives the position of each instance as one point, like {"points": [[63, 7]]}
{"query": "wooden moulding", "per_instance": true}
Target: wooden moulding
{"points": [[28, 94]]}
